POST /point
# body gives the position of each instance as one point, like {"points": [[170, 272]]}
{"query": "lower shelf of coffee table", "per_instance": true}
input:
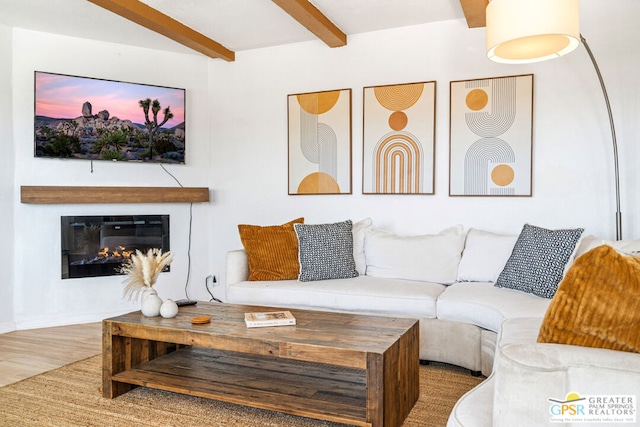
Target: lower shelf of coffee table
{"points": [[300, 388]]}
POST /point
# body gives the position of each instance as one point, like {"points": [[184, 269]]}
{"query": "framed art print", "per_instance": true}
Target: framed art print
{"points": [[320, 142], [490, 146], [399, 139]]}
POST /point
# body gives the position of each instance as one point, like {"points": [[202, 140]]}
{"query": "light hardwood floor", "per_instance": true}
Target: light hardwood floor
{"points": [[30, 352]]}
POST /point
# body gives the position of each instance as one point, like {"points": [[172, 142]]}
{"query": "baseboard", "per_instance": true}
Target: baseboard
{"points": [[62, 320], [7, 327]]}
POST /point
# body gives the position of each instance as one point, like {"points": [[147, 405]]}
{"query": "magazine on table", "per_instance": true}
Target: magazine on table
{"points": [[269, 318]]}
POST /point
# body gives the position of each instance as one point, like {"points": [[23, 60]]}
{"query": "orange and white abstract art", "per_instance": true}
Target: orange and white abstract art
{"points": [[490, 136], [399, 139], [320, 142]]}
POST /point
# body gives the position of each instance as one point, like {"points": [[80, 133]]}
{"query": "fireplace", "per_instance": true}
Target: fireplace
{"points": [[98, 245]]}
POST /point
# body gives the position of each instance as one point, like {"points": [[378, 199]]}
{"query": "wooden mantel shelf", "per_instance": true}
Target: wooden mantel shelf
{"points": [[71, 195]]}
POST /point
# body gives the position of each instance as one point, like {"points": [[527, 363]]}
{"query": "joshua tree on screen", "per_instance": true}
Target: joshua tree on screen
{"points": [[153, 125]]}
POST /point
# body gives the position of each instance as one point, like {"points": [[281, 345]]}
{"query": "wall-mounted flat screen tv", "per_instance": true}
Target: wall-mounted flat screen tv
{"points": [[97, 119]]}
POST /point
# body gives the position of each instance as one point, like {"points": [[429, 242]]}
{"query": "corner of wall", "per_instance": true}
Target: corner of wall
{"points": [[6, 180]]}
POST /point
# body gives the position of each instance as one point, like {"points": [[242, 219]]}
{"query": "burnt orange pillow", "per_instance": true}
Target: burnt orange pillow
{"points": [[597, 304], [272, 250]]}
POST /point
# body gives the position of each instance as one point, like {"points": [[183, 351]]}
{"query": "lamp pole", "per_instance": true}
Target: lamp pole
{"points": [[613, 139]]}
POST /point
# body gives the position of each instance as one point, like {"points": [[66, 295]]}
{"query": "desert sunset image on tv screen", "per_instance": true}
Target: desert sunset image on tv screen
{"points": [[96, 119]]}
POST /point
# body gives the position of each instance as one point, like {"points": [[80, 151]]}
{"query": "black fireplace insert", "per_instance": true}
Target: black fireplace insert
{"points": [[98, 245]]}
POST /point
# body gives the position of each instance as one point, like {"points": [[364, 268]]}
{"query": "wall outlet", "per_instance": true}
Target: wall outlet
{"points": [[212, 280]]}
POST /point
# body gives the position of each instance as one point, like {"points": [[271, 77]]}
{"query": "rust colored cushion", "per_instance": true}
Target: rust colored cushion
{"points": [[272, 250], [597, 304]]}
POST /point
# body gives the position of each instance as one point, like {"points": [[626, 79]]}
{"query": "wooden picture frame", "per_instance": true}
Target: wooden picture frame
{"points": [[319, 142], [398, 132], [491, 137]]}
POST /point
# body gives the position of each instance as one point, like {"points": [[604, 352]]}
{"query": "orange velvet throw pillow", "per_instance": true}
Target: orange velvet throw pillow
{"points": [[272, 251], [597, 304]]}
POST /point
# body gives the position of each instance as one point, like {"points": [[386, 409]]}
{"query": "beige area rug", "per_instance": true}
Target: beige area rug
{"points": [[71, 396]]}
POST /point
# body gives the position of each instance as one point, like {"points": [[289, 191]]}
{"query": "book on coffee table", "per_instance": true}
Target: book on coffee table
{"points": [[269, 318]]}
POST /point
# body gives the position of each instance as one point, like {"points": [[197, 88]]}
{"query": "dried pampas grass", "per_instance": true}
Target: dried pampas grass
{"points": [[142, 271]]}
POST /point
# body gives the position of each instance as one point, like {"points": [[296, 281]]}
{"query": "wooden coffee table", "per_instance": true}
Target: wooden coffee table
{"points": [[354, 369]]}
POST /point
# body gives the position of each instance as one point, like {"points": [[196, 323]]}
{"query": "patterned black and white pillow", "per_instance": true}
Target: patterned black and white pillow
{"points": [[538, 261], [325, 251]]}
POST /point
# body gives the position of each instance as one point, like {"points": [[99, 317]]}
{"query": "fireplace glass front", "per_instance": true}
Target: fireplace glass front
{"points": [[99, 245]]}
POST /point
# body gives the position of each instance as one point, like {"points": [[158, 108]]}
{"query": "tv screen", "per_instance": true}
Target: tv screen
{"points": [[96, 119]]}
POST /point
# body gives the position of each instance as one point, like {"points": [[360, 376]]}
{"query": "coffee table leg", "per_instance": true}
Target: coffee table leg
{"points": [[114, 360], [120, 353], [393, 383], [375, 390]]}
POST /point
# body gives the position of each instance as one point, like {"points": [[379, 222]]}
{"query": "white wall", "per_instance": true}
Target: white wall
{"points": [[42, 298], [572, 166], [6, 184]]}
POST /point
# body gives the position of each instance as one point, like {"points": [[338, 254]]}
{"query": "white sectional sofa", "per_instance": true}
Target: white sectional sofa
{"points": [[446, 280], [529, 378], [453, 314]]}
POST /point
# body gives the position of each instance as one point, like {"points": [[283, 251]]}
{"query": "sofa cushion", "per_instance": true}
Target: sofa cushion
{"points": [[272, 251], [485, 255], [527, 374], [597, 304], [360, 230], [429, 258], [487, 306], [325, 251], [362, 294], [538, 261], [629, 247]]}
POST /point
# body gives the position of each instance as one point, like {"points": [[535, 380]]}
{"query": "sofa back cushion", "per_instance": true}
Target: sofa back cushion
{"points": [[429, 257], [628, 247], [359, 231], [597, 304], [485, 255], [272, 251]]}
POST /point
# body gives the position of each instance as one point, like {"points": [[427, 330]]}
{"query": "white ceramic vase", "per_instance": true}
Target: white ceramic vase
{"points": [[151, 305], [148, 291], [169, 309]]}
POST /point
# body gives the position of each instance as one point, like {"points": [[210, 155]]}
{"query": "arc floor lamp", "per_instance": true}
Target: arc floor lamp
{"points": [[524, 31]]}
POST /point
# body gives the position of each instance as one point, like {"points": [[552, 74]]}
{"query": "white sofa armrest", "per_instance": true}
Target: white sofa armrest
{"points": [[237, 267], [527, 375]]}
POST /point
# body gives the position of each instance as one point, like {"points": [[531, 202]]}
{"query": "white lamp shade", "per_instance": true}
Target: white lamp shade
{"points": [[521, 31]]}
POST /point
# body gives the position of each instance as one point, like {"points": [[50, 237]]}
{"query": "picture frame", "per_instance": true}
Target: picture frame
{"points": [[319, 142], [97, 119], [399, 125], [491, 137]]}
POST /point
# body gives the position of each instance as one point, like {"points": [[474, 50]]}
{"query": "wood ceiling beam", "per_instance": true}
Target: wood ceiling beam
{"points": [[314, 20], [475, 12], [148, 17]]}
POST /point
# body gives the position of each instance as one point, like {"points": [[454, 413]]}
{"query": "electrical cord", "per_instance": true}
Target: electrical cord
{"points": [[171, 175], [186, 284]]}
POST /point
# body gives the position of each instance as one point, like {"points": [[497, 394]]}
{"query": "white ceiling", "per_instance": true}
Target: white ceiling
{"points": [[236, 24]]}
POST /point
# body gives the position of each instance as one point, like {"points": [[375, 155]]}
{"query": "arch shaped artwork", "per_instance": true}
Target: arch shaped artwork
{"points": [[398, 165], [490, 135], [320, 142], [399, 139]]}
